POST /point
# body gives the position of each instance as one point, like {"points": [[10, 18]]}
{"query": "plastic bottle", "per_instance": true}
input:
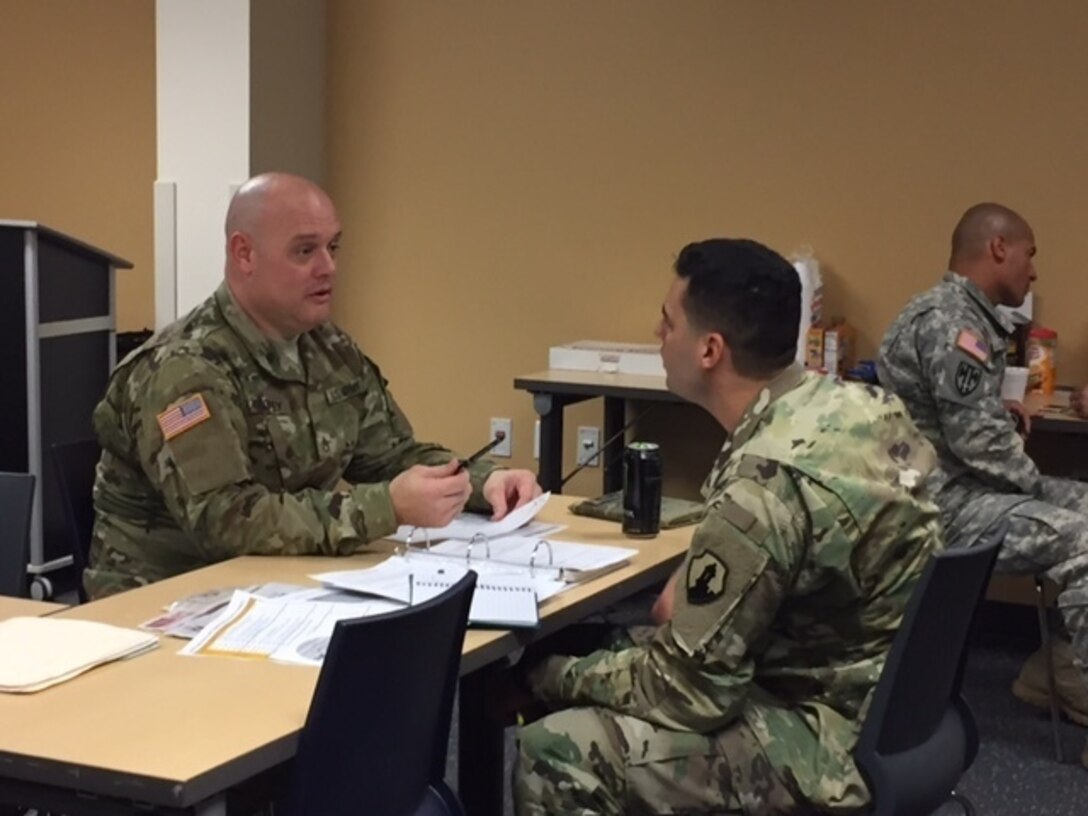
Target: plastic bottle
{"points": [[1042, 363]]}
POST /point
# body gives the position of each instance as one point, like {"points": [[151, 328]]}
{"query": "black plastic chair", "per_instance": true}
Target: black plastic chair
{"points": [[376, 734], [16, 505], [75, 464], [920, 735]]}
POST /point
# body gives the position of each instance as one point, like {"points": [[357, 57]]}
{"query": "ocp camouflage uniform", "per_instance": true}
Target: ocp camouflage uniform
{"points": [[945, 358], [751, 698], [268, 431]]}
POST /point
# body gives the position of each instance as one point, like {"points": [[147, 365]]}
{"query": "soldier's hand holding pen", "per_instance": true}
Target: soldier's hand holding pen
{"points": [[430, 495]]}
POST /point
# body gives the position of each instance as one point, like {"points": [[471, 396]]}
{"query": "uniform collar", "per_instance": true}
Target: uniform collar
{"points": [[1001, 321], [265, 351], [784, 382]]}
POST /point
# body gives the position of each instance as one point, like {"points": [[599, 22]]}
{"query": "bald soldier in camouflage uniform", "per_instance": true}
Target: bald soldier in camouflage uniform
{"points": [[945, 358], [750, 698], [229, 432]]}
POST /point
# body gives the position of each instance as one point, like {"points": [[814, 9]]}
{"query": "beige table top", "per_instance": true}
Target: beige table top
{"points": [[1056, 404], [174, 730], [1052, 413], [21, 607]]}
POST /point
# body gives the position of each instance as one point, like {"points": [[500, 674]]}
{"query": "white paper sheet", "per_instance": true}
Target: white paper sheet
{"points": [[467, 525], [390, 578], [293, 631]]}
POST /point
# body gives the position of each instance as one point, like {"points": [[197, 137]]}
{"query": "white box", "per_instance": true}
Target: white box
{"points": [[608, 358]]}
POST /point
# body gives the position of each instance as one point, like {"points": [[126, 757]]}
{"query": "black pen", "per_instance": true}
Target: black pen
{"points": [[464, 463]]}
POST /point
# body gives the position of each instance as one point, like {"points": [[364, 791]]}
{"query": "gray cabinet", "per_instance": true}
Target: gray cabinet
{"points": [[57, 326]]}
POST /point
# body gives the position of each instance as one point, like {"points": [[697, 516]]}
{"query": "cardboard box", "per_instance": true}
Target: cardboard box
{"points": [[608, 358], [838, 346]]}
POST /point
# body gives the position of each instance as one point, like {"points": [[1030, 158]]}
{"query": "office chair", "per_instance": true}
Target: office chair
{"points": [[16, 504], [376, 734], [919, 736], [75, 464]]}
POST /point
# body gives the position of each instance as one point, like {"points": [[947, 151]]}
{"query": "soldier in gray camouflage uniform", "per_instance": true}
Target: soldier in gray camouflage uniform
{"points": [[229, 432], [750, 698], [945, 358]]}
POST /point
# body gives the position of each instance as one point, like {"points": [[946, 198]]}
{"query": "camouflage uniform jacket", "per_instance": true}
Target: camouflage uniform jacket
{"points": [[794, 585], [944, 356], [267, 437]]}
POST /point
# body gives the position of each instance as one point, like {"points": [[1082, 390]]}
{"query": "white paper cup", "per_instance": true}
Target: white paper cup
{"points": [[1015, 383]]}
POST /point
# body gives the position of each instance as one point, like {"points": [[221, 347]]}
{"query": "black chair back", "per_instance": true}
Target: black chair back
{"points": [[376, 734], [16, 505], [919, 735], [75, 464]]}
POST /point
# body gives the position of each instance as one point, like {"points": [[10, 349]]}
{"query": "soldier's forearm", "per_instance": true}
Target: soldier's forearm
{"points": [[252, 520]]}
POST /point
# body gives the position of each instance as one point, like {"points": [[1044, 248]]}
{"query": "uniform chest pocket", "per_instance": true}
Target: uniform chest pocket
{"points": [[337, 420], [271, 430]]}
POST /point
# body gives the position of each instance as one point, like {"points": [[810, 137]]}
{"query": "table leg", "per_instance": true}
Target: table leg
{"points": [[615, 415], [480, 761], [550, 468]]}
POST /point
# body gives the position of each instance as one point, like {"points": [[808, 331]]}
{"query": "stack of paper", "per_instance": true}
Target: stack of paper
{"points": [[186, 618], [472, 525], [36, 653], [293, 629]]}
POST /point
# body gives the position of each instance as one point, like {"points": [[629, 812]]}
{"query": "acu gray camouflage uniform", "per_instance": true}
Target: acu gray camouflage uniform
{"points": [[751, 698], [259, 475], [945, 358]]}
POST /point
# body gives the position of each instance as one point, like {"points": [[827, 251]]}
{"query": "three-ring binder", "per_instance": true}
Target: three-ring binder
{"points": [[403, 547]]}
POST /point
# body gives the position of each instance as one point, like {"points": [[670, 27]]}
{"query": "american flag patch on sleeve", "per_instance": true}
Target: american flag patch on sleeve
{"points": [[973, 345], [182, 416]]}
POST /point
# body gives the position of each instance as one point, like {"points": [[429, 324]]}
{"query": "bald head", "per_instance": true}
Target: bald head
{"points": [[994, 248], [264, 195], [282, 238], [980, 225]]}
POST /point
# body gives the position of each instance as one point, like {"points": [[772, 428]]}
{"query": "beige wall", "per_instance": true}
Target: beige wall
{"points": [[514, 175], [77, 139]]}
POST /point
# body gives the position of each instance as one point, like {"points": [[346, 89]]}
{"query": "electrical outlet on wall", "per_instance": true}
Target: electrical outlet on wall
{"points": [[589, 440], [503, 449]]}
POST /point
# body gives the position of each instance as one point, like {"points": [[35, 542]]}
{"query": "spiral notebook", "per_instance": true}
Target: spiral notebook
{"points": [[495, 602], [499, 600]]}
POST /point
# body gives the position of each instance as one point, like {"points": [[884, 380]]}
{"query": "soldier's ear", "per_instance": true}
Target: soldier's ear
{"points": [[240, 251], [711, 350], [998, 249]]}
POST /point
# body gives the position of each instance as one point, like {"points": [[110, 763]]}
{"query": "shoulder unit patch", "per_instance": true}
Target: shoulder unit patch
{"points": [[706, 578], [968, 377]]}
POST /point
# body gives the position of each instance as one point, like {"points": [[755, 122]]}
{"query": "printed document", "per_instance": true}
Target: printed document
{"points": [[468, 525], [283, 629]]}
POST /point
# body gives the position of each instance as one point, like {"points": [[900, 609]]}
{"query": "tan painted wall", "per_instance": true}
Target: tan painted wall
{"points": [[77, 129], [514, 175]]}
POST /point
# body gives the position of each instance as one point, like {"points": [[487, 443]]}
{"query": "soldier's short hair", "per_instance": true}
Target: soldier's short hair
{"points": [[979, 224], [750, 295]]}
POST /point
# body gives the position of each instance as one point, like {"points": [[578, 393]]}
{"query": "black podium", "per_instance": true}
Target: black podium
{"points": [[57, 325]]}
